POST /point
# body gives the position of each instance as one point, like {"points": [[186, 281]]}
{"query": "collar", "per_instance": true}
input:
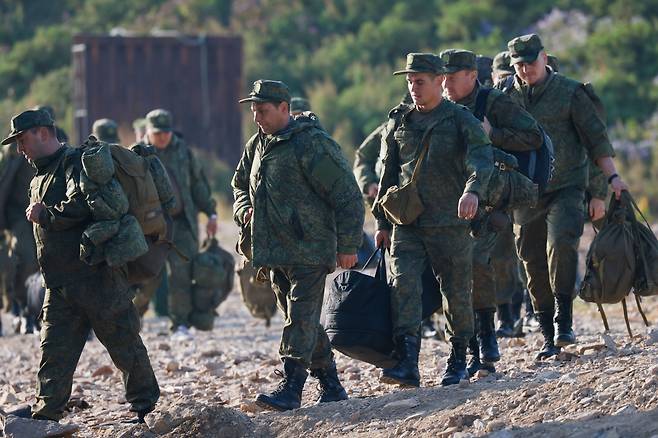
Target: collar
{"points": [[43, 163], [469, 101]]}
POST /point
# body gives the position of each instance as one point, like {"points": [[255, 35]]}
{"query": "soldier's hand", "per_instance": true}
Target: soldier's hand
{"points": [[468, 206], [486, 126], [618, 185], [372, 190], [247, 215], [382, 239], [33, 211], [596, 209], [346, 261], [211, 226]]}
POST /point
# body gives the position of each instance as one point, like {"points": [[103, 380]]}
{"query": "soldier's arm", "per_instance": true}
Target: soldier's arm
{"points": [[201, 193], [597, 186], [590, 127], [71, 211], [479, 155], [390, 173], [326, 168], [513, 128], [240, 183], [365, 160]]}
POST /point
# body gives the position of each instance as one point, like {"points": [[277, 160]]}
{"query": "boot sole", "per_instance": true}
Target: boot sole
{"points": [[266, 405], [564, 342], [401, 382]]}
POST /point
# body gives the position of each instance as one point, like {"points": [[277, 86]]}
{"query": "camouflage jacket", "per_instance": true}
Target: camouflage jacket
{"points": [[512, 127], [67, 214], [366, 158], [306, 204], [186, 174], [564, 109], [459, 160], [15, 175]]}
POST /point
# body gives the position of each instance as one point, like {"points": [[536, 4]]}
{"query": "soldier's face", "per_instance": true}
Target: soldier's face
{"points": [[460, 84], [425, 88], [159, 139], [269, 116], [532, 72], [31, 143]]}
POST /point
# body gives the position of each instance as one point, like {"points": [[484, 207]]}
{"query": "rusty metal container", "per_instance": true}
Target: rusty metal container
{"points": [[198, 79]]}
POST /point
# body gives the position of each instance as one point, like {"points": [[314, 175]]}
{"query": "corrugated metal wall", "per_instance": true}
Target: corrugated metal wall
{"points": [[197, 78]]}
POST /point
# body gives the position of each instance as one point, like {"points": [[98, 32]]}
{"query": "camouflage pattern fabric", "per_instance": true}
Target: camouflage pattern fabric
{"points": [[506, 267], [484, 275], [366, 159], [102, 303], [299, 294], [180, 273], [306, 203], [144, 293]]}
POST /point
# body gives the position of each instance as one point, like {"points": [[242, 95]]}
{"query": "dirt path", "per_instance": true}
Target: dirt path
{"points": [[603, 387]]}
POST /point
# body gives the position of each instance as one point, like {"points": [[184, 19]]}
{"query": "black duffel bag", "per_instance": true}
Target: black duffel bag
{"points": [[357, 313]]}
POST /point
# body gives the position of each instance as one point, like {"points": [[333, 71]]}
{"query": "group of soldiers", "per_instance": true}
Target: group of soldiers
{"points": [[301, 212], [301, 208]]}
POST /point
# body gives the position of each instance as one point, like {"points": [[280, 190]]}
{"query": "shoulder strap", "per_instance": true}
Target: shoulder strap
{"points": [[47, 182], [508, 84], [481, 103], [423, 152]]}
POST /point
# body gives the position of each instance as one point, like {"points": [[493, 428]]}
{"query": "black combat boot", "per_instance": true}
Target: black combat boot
{"points": [[289, 393], [26, 412], [474, 363], [405, 372], [456, 369], [548, 331], [563, 318], [505, 321], [486, 335], [330, 388]]}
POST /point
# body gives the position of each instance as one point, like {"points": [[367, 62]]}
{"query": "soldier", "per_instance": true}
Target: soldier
{"points": [[139, 128], [501, 67], [192, 195], [78, 296], [15, 175], [106, 130], [547, 236], [295, 192], [452, 179], [510, 128], [298, 105], [485, 70]]}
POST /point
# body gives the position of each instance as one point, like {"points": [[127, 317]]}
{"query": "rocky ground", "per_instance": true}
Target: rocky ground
{"points": [[606, 386]]}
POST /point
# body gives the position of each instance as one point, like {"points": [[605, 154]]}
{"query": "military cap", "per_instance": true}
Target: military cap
{"points": [[299, 105], [422, 63], [27, 120], [553, 62], [455, 60], [106, 130], [47, 108], [524, 48], [139, 123], [158, 120], [265, 90], [502, 62]]}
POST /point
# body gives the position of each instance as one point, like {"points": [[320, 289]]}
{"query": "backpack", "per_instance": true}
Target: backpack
{"points": [[257, 295], [613, 260], [213, 271], [509, 187], [538, 165]]}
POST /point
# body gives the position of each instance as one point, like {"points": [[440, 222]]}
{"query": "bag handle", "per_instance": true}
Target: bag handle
{"points": [[372, 256], [423, 152]]}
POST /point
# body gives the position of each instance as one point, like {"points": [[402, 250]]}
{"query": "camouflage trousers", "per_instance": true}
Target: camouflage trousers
{"points": [[180, 274], [484, 275], [448, 250], [299, 294], [24, 254], [548, 246], [506, 266], [102, 303], [144, 293]]}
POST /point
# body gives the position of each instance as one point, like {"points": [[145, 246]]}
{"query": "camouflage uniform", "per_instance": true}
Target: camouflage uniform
{"points": [[366, 161], [13, 202], [513, 129], [78, 296], [306, 208], [106, 130], [192, 195]]}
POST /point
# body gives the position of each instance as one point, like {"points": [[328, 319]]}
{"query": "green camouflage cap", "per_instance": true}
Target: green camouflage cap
{"points": [[265, 90], [106, 130], [299, 105], [524, 48], [422, 63], [27, 120], [455, 60], [158, 120], [553, 63], [502, 63], [139, 123], [47, 108]]}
